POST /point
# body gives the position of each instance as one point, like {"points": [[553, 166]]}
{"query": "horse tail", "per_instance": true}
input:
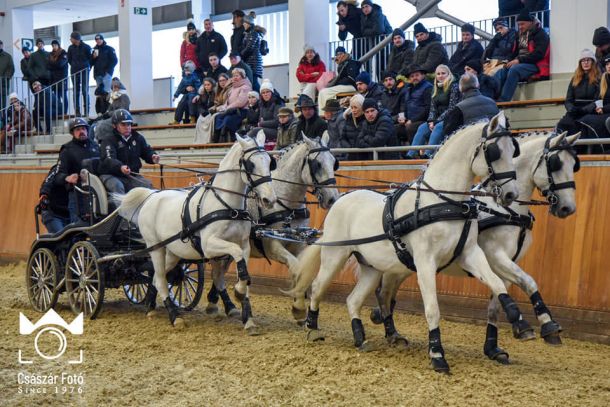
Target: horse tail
{"points": [[131, 203], [305, 271]]}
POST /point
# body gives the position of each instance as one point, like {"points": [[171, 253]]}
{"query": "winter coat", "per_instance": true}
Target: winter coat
{"points": [[38, 67], [188, 50], [580, 99], [392, 99], [237, 96], [536, 5], [336, 124], [472, 108], [71, 156], [245, 67], [351, 132], [221, 94], [538, 51], [379, 133], [489, 86], [401, 58], [509, 7], [79, 57], [57, 194], [502, 47], [25, 69], [464, 53], [374, 91], [430, 53], [58, 65], [305, 71], [287, 133], [188, 80], [251, 52], [268, 112], [443, 101], [118, 100], [205, 102], [416, 104], [207, 43], [375, 23], [237, 38], [351, 22], [253, 114], [116, 152], [312, 128], [105, 62], [346, 73], [214, 74], [21, 121], [7, 67]]}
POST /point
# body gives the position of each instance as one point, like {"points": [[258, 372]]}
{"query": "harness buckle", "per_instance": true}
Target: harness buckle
{"points": [[234, 214]]}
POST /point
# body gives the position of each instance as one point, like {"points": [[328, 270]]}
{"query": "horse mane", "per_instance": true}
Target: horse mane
{"points": [[289, 151]]}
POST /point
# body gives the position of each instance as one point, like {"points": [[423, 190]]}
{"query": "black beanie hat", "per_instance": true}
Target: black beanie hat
{"points": [[419, 28], [476, 65], [369, 103], [75, 35], [525, 15], [388, 74], [398, 31], [601, 36], [55, 42], [468, 28]]}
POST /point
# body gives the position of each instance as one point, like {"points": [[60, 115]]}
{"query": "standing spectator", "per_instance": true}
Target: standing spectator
{"points": [[601, 41], [367, 88], [594, 124], [236, 62], [509, 7], [488, 85], [446, 95], [349, 23], [188, 49], [237, 38], [533, 57], [205, 98], [354, 117], [233, 111], [310, 123], [392, 95], [377, 131], [214, 67], [79, 58], [467, 49], [472, 108], [39, 65], [58, 66], [188, 88], [345, 81], [118, 98], [401, 54], [270, 103], [251, 49], [416, 104], [210, 42], [430, 51], [333, 114], [25, 66], [374, 25], [254, 110], [502, 47], [7, 70], [309, 70], [46, 105], [583, 90], [287, 128], [104, 60]]}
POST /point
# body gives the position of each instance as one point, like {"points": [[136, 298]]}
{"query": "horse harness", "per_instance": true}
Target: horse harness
{"points": [[553, 163], [492, 153]]}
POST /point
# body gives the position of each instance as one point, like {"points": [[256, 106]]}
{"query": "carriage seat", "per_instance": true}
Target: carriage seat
{"points": [[95, 186]]}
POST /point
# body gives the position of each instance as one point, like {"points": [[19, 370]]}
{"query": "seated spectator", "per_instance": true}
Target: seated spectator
{"points": [[488, 85], [593, 124], [502, 47], [533, 57], [188, 49], [601, 40], [415, 105], [345, 81], [333, 114], [46, 106], [467, 49], [287, 128], [367, 88], [233, 111], [205, 97], [430, 51], [392, 96], [269, 106], [401, 54], [224, 85], [309, 123], [354, 117], [117, 98], [254, 110], [472, 108], [583, 91], [19, 124], [446, 95], [188, 87], [377, 131], [214, 68], [309, 70], [53, 203], [236, 62]]}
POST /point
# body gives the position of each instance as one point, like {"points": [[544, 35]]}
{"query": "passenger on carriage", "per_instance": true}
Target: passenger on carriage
{"points": [[70, 164], [120, 159], [53, 203]]}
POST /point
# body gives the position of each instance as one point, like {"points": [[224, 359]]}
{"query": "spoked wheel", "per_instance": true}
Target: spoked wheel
{"points": [[41, 279], [136, 292], [185, 284], [84, 280]]}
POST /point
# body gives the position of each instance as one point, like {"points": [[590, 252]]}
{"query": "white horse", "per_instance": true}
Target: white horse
{"points": [[484, 150], [547, 162], [308, 163], [226, 230]]}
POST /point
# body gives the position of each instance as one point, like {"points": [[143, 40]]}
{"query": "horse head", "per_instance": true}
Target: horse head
{"points": [[319, 168], [256, 165]]}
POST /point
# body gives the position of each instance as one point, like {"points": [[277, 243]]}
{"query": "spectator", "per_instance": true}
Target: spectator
{"points": [[19, 123], [502, 47], [367, 88], [333, 114], [38, 66], [188, 49], [345, 81], [287, 128], [446, 95], [593, 124], [467, 49], [46, 106], [472, 108], [58, 67], [601, 41], [254, 110], [583, 90], [214, 67], [533, 57], [53, 203], [7, 70], [104, 60], [309, 70], [509, 7], [205, 98], [354, 117], [392, 96], [310, 123], [118, 98], [222, 90], [349, 23], [188, 88], [233, 111], [488, 85], [237, 38], [210, 42], [25, 66], [402, 53], [377, 131], [374, 24], [79, 58], [430, 51], [415, 105], [251, 49], [270, 103], [236, 62]]}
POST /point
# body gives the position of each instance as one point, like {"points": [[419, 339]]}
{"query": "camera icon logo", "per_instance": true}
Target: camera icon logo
{"points": [[51, 322]]}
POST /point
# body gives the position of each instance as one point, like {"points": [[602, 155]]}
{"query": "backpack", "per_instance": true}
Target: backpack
{"points": [[263, 47]]}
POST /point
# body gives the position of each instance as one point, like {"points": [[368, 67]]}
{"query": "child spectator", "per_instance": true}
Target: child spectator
{"points": [[188, 89], [253, 112]]}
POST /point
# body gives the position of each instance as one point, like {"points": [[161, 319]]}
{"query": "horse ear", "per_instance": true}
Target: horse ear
{"points": [[497, 121], [572, 139], [556, 141], [325, 138], [309, 141], [260, 137], [242, 141]]}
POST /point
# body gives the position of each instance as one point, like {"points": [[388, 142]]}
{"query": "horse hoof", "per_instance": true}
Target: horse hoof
{"points": [[366, 347], [376, 317], [253, 330], [301, 322], [314, 335], [502, 359], [298, 314], [553, 340], [179, 323], [211, 309], [234, 313], [152, 314], [526, 335], [398, 341], [440, 365]]}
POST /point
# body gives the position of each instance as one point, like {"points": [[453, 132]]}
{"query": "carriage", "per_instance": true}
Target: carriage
{"points": [[83, 260]]}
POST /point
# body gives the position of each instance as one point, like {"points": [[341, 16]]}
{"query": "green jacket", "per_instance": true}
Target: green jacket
{"points": [[38, 67], [7, 68]]}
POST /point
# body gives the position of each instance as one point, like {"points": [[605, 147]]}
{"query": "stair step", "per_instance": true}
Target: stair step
{"points": [[24, 149]]}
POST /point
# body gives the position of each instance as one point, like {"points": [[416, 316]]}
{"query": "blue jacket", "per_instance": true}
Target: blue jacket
{"points": [[105, 61], [188, 80], [79, 57], [416, 103]]}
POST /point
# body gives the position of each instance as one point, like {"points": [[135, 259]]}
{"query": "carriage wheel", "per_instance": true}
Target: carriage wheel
{"points": [[136, 292], [41, 279], [84, 280], [185, 284]]}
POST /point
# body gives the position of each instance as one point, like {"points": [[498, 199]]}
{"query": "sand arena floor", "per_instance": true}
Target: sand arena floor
{"points": [[132, 360]]}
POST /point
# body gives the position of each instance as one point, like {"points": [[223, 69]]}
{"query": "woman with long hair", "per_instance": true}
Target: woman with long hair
{"points": [[205, 97], [309, 71], [594, 124], [233, 111], [222, 89]]}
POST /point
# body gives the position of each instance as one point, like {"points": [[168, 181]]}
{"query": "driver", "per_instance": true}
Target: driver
{"points": [[121, 153]]}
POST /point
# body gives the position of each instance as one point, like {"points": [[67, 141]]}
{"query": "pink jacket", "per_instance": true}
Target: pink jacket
{"points": [[238, 95]]}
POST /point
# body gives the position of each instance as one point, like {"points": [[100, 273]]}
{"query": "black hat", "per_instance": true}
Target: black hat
{"points": [[99, 37], [25, 49], [388, 74], [340, 49], [369, 103], [190, 26], [525, 15], [468, 28], [238, 13], [78, 122], [419, 28], [398, 31], [601, 36], [475, 64], [75, 35], [305, 101], [606, 60], [415, 68], [39, 40], [55, 42], [332, 105], [366, 3], [234, 54]]}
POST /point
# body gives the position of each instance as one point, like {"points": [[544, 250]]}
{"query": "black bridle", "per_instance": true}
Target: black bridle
{"points": [[492, 153], [550, 156], [314, 166], [249, 167]]}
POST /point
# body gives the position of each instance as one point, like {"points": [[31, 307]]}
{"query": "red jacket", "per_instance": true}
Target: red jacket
{"points": [[304, 72], [188, 52]]}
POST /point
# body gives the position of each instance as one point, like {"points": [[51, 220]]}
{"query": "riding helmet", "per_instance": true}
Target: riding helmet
{"points": [[78, 122], [121, 116]]}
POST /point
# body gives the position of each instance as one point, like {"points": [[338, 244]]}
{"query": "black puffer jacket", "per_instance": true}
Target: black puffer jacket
{"points": [[105, 62], [312, 128], [346, 73], [379, 133], [580, 98], [116, 152], [374, 91], [71, 156], [502, 47], [392, 99], [268, 112], [351, 22], [251, 49], [79, 57], [210, 42], [237, 38], [401, 58], [463, 54], [431, 53], [351, 130], [58, 65], [57, 194], [375, 23], [205, 102]]}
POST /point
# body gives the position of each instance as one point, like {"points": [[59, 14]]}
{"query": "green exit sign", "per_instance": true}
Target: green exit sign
{"points": [[140, 11]]}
